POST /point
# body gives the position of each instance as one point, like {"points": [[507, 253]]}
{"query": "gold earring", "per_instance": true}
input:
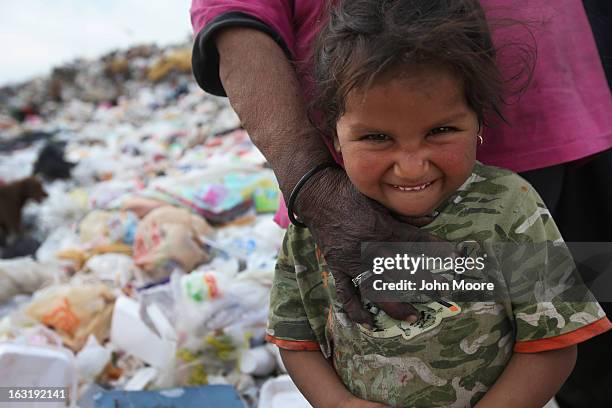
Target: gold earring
{"points": [[480, 139]]}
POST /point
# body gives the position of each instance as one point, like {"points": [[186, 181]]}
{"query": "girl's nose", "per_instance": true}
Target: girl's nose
{"points": [[411, 166]]}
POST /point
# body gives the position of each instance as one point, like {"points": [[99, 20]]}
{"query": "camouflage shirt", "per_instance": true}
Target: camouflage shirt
{"points": [[452, 355]]}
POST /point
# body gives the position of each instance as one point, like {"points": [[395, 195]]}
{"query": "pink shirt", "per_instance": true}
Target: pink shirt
{"points": [[566, 113]]}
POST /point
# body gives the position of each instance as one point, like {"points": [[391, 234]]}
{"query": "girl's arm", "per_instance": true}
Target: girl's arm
{"points": [[530, 379], [318, 382]]}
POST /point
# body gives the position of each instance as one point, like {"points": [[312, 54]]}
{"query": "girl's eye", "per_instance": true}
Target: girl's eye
{"points": [[375, 137], [442, 130]]}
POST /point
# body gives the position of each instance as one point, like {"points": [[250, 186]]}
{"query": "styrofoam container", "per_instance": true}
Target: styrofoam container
{"points": [[130, 334], [281, 392], [24, 365]]}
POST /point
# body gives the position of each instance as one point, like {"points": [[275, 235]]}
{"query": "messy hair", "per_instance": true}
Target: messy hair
{"points": [[366, 39]]}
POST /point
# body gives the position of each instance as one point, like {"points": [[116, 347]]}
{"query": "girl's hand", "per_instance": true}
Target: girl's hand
{"points": [[354, 402]]}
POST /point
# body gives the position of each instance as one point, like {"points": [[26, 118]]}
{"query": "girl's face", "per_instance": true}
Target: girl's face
{"points": [[409, 141]]}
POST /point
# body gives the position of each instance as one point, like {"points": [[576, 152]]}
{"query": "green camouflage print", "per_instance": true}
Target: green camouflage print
{"points": [[449, 358]]}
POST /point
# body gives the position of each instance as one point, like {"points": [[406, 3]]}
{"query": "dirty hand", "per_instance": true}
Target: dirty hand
{"points": [[340, 219]]}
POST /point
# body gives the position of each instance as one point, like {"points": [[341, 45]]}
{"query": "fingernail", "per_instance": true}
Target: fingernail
{"points": [[412, 319]]}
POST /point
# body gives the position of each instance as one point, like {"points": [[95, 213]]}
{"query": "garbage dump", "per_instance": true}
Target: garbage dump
{"points": [[137, 269]]}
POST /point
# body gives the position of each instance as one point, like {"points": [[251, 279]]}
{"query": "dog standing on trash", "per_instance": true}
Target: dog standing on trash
{"points": [[51, 164], [13, 197]]}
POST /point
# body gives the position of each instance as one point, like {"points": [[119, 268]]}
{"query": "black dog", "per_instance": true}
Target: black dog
{"points": [[51, 163]]}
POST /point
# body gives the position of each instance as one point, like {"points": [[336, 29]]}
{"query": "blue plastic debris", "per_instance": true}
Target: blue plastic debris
{"points": [[207, 396]]}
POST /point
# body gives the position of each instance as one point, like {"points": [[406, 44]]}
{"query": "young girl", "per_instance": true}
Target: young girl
{"points": [[404, 86]]}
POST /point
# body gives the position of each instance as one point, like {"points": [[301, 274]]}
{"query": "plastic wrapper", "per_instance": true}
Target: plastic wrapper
{"points": [[74, 312]]}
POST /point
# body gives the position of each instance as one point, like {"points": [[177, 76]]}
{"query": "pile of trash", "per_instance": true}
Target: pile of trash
{"points": [[144, 270]]}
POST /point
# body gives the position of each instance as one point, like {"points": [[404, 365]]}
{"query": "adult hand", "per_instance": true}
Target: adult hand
{"points": [[340, 219]]}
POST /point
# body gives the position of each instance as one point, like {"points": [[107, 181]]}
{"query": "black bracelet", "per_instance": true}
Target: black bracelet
{"points": [[299, 186]]}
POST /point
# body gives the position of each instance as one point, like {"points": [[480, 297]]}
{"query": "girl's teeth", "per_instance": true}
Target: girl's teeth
{"points": [[418, 188]]}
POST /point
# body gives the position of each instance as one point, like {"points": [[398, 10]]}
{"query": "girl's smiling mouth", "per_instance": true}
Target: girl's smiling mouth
{"points": [[412, 188]]}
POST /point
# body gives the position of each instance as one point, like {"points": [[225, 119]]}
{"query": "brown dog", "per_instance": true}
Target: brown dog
{"points": [[13, 197]]}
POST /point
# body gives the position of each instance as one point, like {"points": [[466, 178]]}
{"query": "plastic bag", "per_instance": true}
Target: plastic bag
{"points": [[62, 208], [118, 269], [256, 244], [170, 234], [141, 206], [26, 276], [60, 239], [74, 312], [225, 310], [107, 194], [106, 227]]}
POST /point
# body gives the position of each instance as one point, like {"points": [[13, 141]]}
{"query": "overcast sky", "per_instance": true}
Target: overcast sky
{"points": [[36, 35]]}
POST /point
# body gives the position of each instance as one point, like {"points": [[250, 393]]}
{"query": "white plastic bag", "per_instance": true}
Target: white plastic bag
{"points": [[26, 276], [60, 239], [118, 269]]}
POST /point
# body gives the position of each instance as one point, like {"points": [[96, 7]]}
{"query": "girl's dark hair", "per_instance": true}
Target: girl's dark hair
{"points": [[365, 39]]}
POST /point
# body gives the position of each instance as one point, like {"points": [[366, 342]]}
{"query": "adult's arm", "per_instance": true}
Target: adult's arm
{"points": [[243, 50], [263, 89]]}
